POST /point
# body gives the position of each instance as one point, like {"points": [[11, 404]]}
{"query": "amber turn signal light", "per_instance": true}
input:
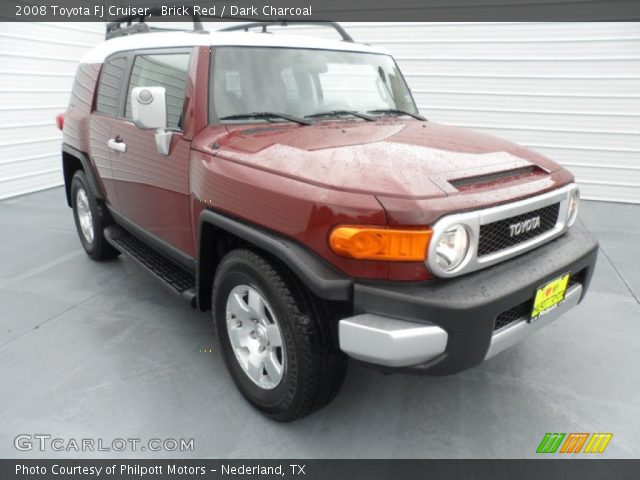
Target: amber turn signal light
{"points": [[375, 243]]}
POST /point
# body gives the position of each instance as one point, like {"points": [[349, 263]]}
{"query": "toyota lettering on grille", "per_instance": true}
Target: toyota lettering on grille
{"points": [[527, 225]]}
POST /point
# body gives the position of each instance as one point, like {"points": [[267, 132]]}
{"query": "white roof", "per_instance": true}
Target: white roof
{"points": [[191, 39]]}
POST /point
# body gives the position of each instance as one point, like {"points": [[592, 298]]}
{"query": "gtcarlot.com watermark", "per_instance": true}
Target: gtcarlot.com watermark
{"points": [[26, 442]]}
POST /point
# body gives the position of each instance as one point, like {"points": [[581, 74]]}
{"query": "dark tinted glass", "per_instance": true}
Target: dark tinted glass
{"points": [[109, 86]]}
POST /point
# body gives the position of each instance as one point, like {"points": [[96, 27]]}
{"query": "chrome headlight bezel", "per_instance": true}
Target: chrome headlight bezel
{"points": [[457, 239], [473, 220], [573, 207]]}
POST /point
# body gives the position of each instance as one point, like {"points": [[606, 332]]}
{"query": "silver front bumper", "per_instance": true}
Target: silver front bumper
{"points": [[390, 342], [398, 343]]}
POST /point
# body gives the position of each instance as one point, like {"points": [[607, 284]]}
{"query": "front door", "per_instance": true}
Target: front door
{"points": [[152, 188]]}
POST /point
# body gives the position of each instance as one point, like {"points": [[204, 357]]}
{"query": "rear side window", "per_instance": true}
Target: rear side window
{"points": [[113, 71], [164, 70]]}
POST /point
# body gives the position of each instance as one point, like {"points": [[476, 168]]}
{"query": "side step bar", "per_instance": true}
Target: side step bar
{"points": [[170, 273]]}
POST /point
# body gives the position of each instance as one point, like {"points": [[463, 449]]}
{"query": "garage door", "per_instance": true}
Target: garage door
{"points": [[37, 66]]}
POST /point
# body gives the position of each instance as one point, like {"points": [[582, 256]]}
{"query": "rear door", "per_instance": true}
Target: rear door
{"points": [[107, 105], [153, 189]]}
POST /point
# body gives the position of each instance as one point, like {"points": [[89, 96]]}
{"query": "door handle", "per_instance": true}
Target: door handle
{"points": [[117, 144]]}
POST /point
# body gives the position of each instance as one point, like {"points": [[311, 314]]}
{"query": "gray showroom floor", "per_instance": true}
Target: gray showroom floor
{"points": [[103, 351]]}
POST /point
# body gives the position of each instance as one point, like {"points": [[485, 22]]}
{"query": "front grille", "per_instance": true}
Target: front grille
{"points": [[489, 178], [497, 236]]}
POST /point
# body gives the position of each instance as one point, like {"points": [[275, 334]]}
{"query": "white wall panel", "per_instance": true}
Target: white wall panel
{"points": [[37, 66]]}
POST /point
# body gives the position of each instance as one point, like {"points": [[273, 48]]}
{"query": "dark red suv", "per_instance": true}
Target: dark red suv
{"points": [[290, 185]]}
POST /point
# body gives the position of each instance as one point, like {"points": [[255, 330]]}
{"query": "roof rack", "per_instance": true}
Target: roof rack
{"points": [[125, 25], [283, 23], [116, 28]]}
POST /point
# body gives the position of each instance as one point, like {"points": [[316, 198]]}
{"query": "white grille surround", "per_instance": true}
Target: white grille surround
{"points": [[473, 220]]}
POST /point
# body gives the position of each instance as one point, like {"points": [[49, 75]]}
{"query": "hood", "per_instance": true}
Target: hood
{"points": [[401, 159]]}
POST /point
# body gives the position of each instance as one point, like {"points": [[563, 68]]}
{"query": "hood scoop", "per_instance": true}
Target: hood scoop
{"points": [[489, 179]]}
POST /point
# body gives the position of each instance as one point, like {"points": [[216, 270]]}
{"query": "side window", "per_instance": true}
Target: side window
{"points": [[168, 70], [109, 86]]}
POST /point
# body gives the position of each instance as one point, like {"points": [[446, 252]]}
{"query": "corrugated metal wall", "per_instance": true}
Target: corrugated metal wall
{"points": [[569, 90], [37, 66]]}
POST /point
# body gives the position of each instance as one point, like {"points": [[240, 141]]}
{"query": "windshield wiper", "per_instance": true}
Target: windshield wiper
{"points": [[397, 111], [267, 115], [337, 113]]}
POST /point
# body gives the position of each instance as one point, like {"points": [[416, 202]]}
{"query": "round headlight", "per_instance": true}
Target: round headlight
{"points": [[452, 247], [572, 210]]}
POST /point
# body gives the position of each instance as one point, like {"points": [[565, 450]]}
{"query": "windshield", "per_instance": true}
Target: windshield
{"points": [[304, 82]]}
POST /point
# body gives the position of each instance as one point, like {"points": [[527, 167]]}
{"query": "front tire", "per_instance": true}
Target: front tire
{"points": [[278, 341], [90, 219]]}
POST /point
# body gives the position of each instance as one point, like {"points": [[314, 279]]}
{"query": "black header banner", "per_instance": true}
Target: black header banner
{"points": [[318, 469], [319, 10]]}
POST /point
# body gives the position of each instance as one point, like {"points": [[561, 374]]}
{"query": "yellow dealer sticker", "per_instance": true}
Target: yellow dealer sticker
{"points": [[549, 296]]}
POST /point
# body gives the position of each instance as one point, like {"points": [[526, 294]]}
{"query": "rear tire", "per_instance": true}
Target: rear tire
{"points": [[90, 219], [292, 338]]}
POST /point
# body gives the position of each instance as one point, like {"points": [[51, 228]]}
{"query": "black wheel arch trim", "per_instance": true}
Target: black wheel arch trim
{"points": [[89, 171], [321, 278]]}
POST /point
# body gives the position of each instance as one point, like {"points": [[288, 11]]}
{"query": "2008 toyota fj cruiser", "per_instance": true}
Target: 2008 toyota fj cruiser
{"points": [[290, 185]]}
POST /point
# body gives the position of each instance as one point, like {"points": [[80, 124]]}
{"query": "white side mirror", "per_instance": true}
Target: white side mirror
{"points": [[149, 112], [149, 107]]}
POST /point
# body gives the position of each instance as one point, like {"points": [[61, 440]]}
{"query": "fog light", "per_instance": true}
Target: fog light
{"points": [[452, 247], [572, 211]]}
